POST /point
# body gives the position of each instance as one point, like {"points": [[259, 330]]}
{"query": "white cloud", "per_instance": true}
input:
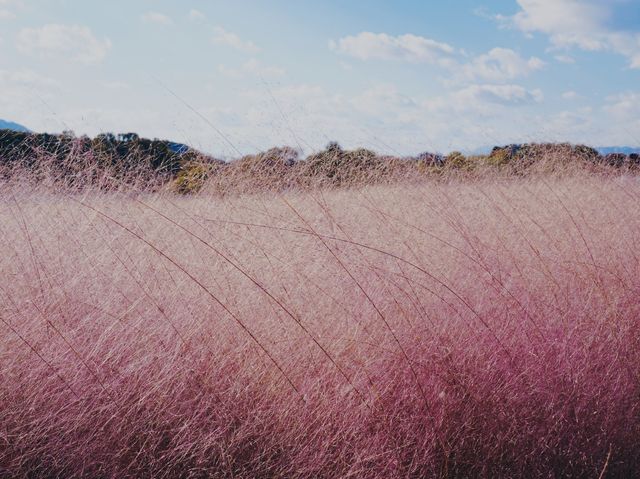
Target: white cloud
{"points": [[223, 37], [577, 23], [501, 64], [230, 72], [196, 15], [254, 68], [411, 48], [570, 95], [624, 106], [157, 18], [25, 97], [477, 95], [575, 126], [8, 8], [627, 44], [28, 78], [497, 65], [383, 100], [73, 42], [622, 118], [569, 22], [116, 85], [568, 59]]}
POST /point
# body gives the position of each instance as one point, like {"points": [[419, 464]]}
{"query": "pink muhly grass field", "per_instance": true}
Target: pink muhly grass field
{"points": [[478, 328]]}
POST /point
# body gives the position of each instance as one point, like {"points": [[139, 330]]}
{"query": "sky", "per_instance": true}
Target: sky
{"points": [[399, 77]]}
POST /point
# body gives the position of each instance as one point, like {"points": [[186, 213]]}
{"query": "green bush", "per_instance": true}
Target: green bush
{"points": [[191, 178], [338, 167], [587, 153], [499, 157], [458, 161]]}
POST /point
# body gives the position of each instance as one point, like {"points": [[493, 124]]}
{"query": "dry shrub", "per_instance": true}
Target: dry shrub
{"points": [[127, 162], [270, 170]]}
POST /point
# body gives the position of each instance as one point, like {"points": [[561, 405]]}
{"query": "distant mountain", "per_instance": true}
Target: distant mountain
{"points": [[9, 125], [627, 150], [178, 148]]}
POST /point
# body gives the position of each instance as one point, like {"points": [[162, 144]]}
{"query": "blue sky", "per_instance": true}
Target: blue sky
{"points": [[399, 77]]}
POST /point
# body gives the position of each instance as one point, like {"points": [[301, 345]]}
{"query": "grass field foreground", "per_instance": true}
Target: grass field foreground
{"points": [[463, 328]]}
